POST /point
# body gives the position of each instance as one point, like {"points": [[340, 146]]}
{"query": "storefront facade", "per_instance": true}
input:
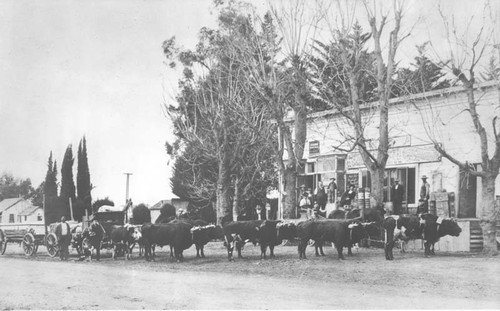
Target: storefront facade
{"points": [[414, 122]]}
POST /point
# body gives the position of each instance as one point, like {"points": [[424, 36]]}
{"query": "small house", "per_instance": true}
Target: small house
{"points": [[176, 202], [32, 214], [17, 210]]}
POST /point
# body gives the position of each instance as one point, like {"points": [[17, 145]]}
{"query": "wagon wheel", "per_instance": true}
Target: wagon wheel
{"points": [[3, 243], [52, 245], [3, 246], [29, 245]]}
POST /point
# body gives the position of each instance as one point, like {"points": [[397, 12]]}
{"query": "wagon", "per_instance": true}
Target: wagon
{"points": [[109, 219], [29, 236]]}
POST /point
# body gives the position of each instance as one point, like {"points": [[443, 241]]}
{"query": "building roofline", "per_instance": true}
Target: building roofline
{"points": [[402, 99], [19, 200]]}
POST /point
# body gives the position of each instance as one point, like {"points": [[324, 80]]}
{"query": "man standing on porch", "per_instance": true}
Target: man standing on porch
{"points": [[320, 194], [397, 195], [425, 192], [332, 190]]}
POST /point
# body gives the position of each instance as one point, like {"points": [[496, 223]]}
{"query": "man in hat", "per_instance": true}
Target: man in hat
{"points": [[332, 190], [63, 238], [397, 196], [425, 192]]}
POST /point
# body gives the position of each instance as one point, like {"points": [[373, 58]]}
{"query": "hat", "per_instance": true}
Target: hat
{"points": [[303, 186], [396, 180], [424, 177], [332, 178]]}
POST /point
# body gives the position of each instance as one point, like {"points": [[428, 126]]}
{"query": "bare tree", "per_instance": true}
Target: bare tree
{"points": [[463, 61], [288, 88], [347, 62]]}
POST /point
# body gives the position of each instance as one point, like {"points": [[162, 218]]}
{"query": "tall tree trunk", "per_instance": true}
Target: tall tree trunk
{"points": [[223, 186], [290, 180], [236, 196], [295, 150], [377, 186], [489, 214]]}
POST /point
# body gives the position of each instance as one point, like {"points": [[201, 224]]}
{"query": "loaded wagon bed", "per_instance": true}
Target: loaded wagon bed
{"points": [[27, 235]]}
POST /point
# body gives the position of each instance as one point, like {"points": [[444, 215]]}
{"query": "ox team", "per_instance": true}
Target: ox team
{"points": [[341, 229]]}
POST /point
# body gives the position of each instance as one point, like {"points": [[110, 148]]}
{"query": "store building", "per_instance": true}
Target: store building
{"points": [[414, 121]]}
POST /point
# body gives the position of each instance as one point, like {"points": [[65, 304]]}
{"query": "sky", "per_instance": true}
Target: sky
{"points": [[93, 68], [70, 69]]}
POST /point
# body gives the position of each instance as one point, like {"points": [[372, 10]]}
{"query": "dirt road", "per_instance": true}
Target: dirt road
{"points": [[364, 281]]}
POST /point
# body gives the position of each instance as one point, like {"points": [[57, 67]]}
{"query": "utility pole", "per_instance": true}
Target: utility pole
{"points": [[127, 187], [128, 212]]}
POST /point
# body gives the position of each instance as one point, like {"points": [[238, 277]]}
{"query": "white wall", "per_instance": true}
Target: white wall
{"points": [[441, 116]]}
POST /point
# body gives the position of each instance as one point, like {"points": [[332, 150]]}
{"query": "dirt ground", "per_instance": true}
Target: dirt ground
{"points": [[363, 281]]}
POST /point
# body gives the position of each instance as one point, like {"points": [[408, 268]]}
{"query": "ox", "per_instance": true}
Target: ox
{"points": [[286, 231], [124, 237], [321, 231], [400, 228], [237, 233], [428, 227], [92, 238], [340, 233], [435, 228], [176, 235], [202, 233]]}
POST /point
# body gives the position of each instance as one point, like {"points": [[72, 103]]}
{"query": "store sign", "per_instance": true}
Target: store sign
{"points": [[403, 155], [313, 147]]}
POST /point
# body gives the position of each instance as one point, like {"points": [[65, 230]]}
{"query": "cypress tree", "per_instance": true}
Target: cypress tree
{"points": [[83, 185], [67, 183], [50, 185], [53, 206]]}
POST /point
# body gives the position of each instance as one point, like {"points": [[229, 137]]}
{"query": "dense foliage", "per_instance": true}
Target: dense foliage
{"points": [[11, 187], [83, 185], [224, 138], [141, 214], [67, 192]]}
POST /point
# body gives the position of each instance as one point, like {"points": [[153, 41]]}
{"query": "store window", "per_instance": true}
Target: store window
{"points": [[406, 176], [11, 218], [323, 169]]}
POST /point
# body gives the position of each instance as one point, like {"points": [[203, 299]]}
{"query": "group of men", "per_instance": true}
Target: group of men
{"points": [[315, 202]]}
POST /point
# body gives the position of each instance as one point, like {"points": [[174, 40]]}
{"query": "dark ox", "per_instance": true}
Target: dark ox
{"points": [[264, 232], [435, 228], [202, 232], [400, 228], [123, 237], [176, 235], [428, 227], [374, 216], [338, 232], [92, 238], [286, 231]]}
